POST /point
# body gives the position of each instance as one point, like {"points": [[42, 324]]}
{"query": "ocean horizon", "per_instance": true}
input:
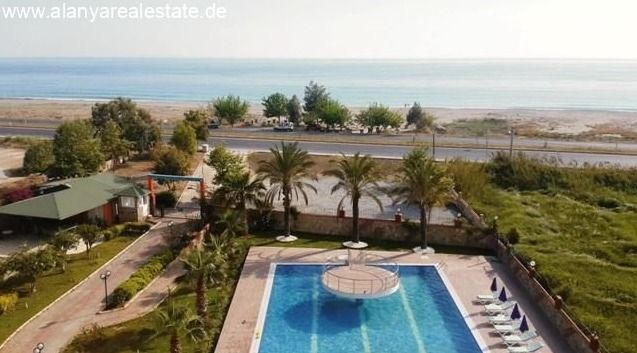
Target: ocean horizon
{"points": [[566, 84]]}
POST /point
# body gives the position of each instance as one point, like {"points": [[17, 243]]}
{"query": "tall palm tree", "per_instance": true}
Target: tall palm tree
{"points": [[358, 176], [422, 183], [179, 323], [239, 189], [287, 173], [203, 267]]}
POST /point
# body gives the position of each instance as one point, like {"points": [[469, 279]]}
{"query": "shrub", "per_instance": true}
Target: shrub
{"points": [[512, 236], [8, 302], [140, 279], [608, 202], [135, 229]]}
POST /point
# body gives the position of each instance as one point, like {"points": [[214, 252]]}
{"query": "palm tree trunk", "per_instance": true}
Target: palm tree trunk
{"points": [[286, 213], [175, 345], [355, 229], [242, 208], [202, 301], [423, 228]]}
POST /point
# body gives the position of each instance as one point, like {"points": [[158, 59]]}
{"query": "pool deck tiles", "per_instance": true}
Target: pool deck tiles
{"points": [[467, 275]]}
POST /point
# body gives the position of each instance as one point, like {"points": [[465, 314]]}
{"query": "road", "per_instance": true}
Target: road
{"points": [[474, 154]]}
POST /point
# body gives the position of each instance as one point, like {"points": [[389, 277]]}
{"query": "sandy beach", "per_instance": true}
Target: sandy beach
{"points": [[526, 121]]}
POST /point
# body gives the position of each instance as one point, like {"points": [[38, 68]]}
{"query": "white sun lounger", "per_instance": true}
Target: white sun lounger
{"points": [[487, 298], [516, 339], [505, 329], [500, 319], [531, 347], [494, 309]]}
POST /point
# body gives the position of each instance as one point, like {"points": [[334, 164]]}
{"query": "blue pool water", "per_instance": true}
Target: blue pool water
{"points": [[420, 317]]}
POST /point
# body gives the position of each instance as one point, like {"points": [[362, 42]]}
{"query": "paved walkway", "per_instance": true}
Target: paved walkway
{"points": [[60, 323], [57, 326]]}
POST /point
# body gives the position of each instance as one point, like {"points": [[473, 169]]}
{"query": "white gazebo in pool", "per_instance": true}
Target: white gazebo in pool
{"points": [[360, 275]]}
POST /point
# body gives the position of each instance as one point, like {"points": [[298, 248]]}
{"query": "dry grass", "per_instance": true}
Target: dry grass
{"points": [[323, 163]]}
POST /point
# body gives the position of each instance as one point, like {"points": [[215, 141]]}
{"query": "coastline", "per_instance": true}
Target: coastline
{"points": [[527, 120]]}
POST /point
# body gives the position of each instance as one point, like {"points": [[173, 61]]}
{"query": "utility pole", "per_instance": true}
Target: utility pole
{"points": [[433, 144], [511, 133]]}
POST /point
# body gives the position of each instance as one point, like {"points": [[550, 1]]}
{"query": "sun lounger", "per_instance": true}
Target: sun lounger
{"points": [[486, 298], [500, 319], [531, 347], [494, 309], [517, 339], [505, 329]]}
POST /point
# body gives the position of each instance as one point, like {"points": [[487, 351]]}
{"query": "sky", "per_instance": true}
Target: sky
{"points": [[376, 29]]}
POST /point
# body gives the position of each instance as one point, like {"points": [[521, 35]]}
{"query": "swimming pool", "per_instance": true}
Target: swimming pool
{"points": [[421, 317]]}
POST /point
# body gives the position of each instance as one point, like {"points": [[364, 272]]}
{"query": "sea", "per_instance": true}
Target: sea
{"points": [[491, 84]]}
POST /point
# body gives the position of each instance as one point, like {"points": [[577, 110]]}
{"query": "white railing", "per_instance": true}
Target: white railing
{"points": [[347, 282]]}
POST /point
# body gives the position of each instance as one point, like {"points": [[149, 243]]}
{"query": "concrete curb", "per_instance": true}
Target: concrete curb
{"points": [[101, 268]]}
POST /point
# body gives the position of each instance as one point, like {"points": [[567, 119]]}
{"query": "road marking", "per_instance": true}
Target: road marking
{"points": [[412, 320]]}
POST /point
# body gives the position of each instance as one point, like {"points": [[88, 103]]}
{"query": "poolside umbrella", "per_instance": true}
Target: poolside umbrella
{"points": [[494, 285], [503, 295], [524, 326], [515, 313]]}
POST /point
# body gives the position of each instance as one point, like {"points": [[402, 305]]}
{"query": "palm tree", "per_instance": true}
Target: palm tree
{"points": [[422, 183], [287, 173], [358, 176], [203, 267], [232, 223], [179, 323], [238, 189]]}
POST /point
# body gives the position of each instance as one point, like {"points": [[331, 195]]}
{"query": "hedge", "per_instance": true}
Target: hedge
{"points": [[8, 302], [140, 279]]}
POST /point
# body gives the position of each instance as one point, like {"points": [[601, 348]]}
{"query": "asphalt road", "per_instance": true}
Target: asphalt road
{"points": [[474, 154]]}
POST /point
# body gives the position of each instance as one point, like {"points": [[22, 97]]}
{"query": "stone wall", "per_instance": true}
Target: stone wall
{"points": [[382, 229]]}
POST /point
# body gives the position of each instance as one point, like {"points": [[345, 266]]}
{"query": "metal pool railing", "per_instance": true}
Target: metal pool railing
{"points": [[360, 276]]}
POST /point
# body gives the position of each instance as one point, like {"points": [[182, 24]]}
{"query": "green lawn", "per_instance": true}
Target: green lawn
{"points": [[51, 286], [587, 254]]}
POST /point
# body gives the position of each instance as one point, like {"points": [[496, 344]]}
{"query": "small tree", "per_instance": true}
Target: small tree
{"points": [[203, 267], [358, 177], [136, 124], [89, 234], [76, 151], [38, 158], [29, 265], [418, 117], [232, 223], [64, 241], [113, 145], [275, 105], [198, 120], [377, 116], [178, 323], [164, 200], [184, 138], [294, 109], [231, 109], [314, 95], [171, 161], [224, 162], [332, 113]]}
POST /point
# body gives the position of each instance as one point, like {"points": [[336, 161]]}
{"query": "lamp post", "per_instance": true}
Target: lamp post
{"points": [[39, 348], [170, 228], [104, 277]]}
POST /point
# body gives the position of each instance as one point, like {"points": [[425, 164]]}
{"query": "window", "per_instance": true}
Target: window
{"points": [[128, 201]]}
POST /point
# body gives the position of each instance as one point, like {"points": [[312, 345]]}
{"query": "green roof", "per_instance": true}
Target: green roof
{"points": [[82, 194]]}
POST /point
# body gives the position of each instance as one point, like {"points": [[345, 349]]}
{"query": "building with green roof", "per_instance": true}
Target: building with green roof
{"points": [[104, 198]]}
